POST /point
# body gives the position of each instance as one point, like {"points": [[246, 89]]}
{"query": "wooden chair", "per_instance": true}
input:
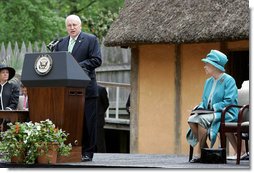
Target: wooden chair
{"points": [[241, 126], [190, 153]]}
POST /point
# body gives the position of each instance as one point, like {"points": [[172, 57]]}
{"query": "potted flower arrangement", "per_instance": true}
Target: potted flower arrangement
{"points": [[30, 141], [50, 142], [13, 143]]}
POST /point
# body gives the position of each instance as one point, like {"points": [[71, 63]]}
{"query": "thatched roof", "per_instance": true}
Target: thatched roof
{"points": [[179, 21]]}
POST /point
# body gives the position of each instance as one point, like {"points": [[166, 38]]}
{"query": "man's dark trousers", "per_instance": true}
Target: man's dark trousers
{"points": [[90, 127]]}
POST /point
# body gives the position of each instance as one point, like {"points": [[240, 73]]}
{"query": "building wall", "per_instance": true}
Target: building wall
{"points": [[156, 99], [238, 45]]}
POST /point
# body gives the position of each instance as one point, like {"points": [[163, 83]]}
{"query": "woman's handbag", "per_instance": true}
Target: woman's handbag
{"points": [[211, 155]]}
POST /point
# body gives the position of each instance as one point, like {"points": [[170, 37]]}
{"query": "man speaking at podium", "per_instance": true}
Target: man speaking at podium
{"points": [[85, 49]]}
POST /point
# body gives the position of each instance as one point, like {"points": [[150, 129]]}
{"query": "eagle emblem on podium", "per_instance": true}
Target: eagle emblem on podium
{"points": [[43, 64]]}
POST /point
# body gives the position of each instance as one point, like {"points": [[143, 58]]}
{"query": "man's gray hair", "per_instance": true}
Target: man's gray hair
{"points": [[73, 17]]}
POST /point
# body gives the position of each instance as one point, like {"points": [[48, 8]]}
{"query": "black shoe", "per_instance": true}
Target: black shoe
{"points": [[196, 160], [86, 158]]}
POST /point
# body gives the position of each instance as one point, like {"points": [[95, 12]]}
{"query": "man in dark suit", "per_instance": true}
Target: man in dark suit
{"points": [[102, 104], [85, 49]]}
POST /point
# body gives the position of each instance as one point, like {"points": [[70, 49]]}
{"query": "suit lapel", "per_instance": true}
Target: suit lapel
{"points": [[78, 43], [65, 43]]}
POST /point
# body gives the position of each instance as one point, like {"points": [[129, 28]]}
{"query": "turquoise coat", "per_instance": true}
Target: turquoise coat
{"points": [[225, 93]]}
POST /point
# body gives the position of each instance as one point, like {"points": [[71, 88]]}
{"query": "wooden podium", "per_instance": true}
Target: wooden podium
{"points": [[56, 91]]}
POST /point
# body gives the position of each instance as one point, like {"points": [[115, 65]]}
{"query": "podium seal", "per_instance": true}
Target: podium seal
{"points": [[43, 64]]}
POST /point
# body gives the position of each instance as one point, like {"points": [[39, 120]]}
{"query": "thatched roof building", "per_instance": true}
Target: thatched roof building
{"points": [[179, 21], [168, 39]]}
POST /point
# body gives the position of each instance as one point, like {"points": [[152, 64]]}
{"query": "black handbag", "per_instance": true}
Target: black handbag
{"points": [[211, 155]]}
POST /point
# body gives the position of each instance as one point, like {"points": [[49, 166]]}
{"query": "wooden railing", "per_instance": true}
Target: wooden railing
{"points": [[116, 113]]}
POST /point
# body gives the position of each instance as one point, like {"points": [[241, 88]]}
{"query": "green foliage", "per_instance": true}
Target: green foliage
{"points": [[29, 20], [99, 24], [87, 7], [44, 20]]}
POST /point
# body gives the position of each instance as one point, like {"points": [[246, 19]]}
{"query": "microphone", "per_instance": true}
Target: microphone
{"points": [[51, 46]]}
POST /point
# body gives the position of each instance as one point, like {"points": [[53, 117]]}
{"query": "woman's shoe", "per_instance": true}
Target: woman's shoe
{"points": [[245, 156], [196, 160], [232, 157]]}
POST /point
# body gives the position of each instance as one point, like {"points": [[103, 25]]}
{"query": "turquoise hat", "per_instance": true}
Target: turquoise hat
{"points": [[217, 59]]}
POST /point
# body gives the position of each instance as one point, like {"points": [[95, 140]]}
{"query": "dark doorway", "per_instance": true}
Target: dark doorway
{"points": [[238, 66], [117, 141]]}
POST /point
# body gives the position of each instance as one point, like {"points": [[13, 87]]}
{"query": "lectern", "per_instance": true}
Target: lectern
{"points": [[56, 91]]}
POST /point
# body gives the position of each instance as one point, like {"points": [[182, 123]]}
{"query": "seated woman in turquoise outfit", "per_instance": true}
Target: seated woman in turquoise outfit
{"points": [[220, 90]]}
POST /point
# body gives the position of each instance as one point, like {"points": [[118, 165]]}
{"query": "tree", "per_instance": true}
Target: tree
{"points": [[44, 20], [29, 21], [99, 24], [87, 7]]}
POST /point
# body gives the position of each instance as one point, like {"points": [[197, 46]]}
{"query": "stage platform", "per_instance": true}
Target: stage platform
{"points": [[108, 160]]}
